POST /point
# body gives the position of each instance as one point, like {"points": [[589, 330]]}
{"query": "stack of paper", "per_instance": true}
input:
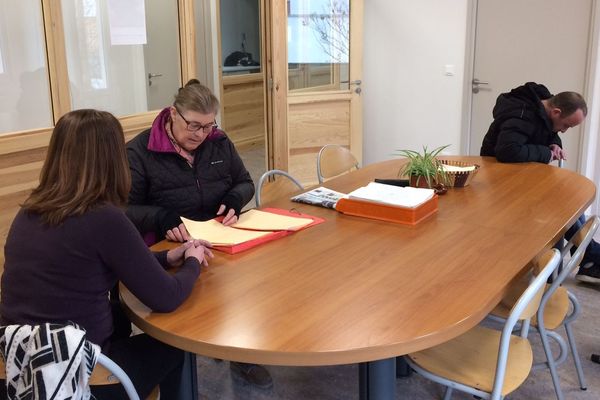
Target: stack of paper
{"points": [[219, 234], [251, 225], [456, 168], [408, 197], [266, 221]]}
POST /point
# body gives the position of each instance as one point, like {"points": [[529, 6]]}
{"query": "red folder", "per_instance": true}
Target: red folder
{"points": [[385, 212], [237, 248], [296, 214]]}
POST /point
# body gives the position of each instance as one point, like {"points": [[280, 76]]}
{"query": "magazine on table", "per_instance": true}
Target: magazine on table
{"points": [[320, 196]]}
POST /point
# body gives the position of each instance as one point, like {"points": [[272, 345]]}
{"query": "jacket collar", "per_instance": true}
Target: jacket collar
{"points": [[159, 139]]}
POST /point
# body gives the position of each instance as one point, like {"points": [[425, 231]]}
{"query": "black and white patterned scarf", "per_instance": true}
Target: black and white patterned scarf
{"points": [[47, 362]]}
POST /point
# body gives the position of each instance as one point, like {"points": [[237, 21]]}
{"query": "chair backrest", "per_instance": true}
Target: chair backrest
{"points": [[334, 160], [275, 183], [524, 308], [581, 239], [106, 372]]}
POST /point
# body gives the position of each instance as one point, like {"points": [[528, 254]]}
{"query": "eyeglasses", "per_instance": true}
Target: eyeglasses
{"points": [[195, 126]]}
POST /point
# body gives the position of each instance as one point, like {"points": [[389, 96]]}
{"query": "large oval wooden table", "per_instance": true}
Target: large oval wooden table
{"points": [[356, 290]]}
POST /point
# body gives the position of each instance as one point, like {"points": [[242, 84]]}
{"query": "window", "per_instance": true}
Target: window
{"points": [[25, 97], [318, 37]]}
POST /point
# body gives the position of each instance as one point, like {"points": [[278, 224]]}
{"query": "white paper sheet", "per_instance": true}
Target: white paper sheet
{"points": [[266, 221], [127, 22], [219, 234], [409, 197]]}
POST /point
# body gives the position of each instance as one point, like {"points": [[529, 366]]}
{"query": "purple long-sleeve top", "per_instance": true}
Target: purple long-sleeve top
{"points": [[64, 273]]}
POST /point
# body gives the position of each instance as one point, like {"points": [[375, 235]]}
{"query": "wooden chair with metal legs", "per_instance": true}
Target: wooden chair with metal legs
{"points": [[106, 372], [483, 361], [334, 160], [275, 183], [558, 307]]}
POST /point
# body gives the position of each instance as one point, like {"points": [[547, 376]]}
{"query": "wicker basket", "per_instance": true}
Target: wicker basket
{"points": [[462, 178]]}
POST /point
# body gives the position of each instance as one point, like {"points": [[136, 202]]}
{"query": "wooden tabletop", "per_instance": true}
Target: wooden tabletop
{"points": [[353, 289]]}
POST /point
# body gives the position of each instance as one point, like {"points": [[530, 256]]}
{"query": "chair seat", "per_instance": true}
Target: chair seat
{"points": [[471, 359], [554, 314]]}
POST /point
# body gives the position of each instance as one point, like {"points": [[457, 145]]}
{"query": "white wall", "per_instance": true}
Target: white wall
{"points": [[408, 99], [590, 144]]}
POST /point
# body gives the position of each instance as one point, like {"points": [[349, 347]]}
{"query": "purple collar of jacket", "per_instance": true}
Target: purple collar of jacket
{"points": [[159, 139]]}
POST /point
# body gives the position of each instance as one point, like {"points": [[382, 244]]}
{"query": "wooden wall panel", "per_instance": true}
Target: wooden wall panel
{"points": [[243, 108], [312, 125], [319, 123]]}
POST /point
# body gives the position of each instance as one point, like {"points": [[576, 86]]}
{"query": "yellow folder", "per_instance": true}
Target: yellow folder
{"points": [[219, 234], [266, 221]]}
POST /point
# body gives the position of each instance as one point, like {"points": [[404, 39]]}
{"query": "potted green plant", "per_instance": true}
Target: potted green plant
{"points": [[423, 169]]}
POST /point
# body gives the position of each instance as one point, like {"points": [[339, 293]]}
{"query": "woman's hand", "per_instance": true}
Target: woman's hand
{"points": [[193, 248], [178, 234], [230, 217]]}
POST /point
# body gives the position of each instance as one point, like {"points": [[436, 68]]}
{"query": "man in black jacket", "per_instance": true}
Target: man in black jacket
{"points": [[527, 121], [526, 124]]}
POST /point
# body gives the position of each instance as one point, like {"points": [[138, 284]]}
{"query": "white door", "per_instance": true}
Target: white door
{"points": [[516, 41]]}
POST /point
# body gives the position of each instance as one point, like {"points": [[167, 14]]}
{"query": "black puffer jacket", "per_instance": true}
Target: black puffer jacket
{"points": [[164, 186], [522, 130]]}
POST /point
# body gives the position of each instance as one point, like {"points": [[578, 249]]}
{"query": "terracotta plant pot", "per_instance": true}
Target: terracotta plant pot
{"points": [[421, 182]]}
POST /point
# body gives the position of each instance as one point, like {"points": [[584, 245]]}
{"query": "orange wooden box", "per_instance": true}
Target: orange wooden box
{"points": [[385, 212]]}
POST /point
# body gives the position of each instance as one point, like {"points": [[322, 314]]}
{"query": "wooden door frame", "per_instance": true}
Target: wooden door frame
{"points": [[356, 39], [278, 76], [265, 61], [279, 84]]}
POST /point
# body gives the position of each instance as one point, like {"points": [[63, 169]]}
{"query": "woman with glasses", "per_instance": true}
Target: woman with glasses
{"points": [[185, 166]]}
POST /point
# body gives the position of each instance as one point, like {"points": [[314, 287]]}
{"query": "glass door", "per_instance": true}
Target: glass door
{"points": [[317, 51]]}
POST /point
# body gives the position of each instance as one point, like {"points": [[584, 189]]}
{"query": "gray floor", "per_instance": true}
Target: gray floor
{"points": [[253, 157], [341, 382]]}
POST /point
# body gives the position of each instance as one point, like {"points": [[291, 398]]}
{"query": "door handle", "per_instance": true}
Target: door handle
{"points": [[476, 82], [150, 76], [356, 82]]}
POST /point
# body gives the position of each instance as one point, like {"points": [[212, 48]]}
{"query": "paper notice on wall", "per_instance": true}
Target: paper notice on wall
{"points": [[127, 22]]}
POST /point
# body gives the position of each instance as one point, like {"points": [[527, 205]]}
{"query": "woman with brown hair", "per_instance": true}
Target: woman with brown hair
{"points": [[71, 243]]}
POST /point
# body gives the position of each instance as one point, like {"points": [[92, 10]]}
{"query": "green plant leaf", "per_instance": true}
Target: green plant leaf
{"points": [[424, 165]]}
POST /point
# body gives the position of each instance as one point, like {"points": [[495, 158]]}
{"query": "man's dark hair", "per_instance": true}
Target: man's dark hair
{"points": [[568, 103]]}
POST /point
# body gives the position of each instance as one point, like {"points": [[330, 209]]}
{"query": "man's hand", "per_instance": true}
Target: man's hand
{"points": [[557, 153], [230, 217]]}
